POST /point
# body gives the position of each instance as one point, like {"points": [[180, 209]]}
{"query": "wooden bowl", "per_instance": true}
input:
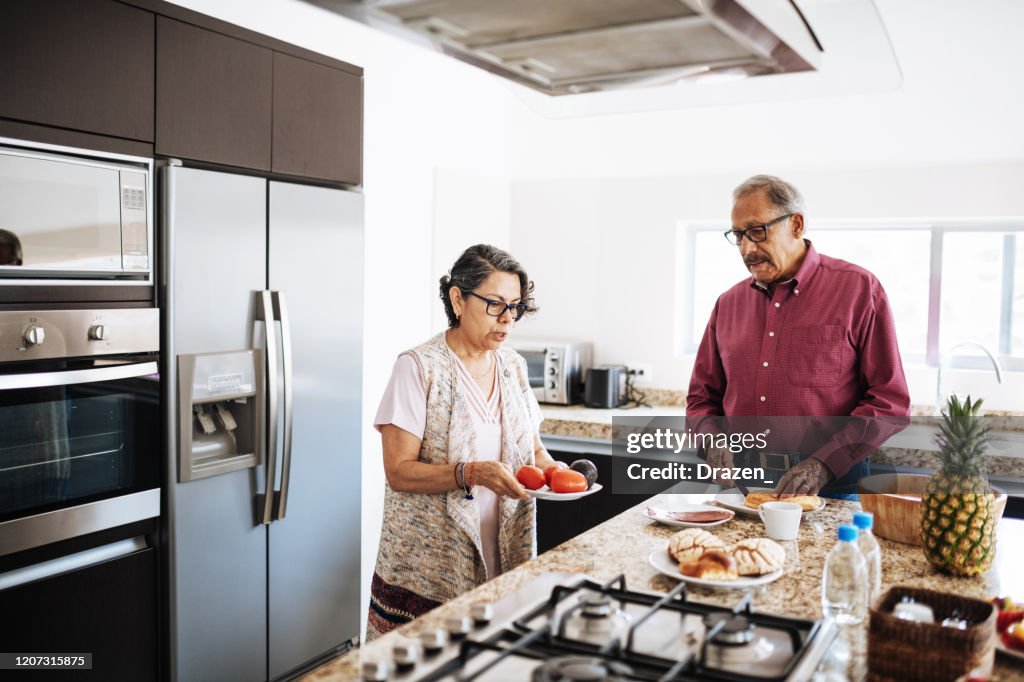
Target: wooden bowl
{"points": [[895, 500]]}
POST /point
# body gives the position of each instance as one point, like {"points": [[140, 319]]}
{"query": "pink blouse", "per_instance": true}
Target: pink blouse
{"points": [[404, 404]]}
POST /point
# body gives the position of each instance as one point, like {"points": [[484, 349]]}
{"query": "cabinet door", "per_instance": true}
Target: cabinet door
{"points": [[79, 64], [318, 121], [213, 96], [108, 610]]}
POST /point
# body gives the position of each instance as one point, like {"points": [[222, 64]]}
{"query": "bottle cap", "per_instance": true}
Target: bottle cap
{"points": [[847, 533], [864, 520]]}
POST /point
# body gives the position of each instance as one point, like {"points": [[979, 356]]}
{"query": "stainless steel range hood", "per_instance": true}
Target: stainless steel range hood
{"points": [[564, 47]]}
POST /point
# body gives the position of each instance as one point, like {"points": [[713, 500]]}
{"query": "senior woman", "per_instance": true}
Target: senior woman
{"points": [[457, 419]]}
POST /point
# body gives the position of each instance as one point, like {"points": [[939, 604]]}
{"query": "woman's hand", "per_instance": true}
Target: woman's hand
{"points": [[497, 476]]}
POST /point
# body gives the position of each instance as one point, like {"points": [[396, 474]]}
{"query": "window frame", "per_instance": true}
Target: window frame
{"points": [[1013, 229]]}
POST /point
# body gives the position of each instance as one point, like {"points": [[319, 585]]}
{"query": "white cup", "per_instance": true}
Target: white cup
{"points": [[781, 519]]}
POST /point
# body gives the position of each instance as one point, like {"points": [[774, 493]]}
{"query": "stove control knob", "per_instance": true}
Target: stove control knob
{"points": [[433, 640], [34, 336], [458, 626], [482, 612], [407, 654], [552, 385], [98, 332], [376, 671]]}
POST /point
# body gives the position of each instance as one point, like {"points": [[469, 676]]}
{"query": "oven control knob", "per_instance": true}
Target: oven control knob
{"points": [[458, 626], [433, 640], [552, 385], [376, 671], [34, 336], [481, 612], [98, 332], [407, 654], [552, 370]]}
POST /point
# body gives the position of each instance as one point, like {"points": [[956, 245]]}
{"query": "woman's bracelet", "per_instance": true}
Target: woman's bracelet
{"points": [[468, 480], [455, 474]]}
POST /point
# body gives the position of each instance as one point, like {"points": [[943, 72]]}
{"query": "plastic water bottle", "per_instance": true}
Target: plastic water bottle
{"points": [[844, 584], [868, 546]]}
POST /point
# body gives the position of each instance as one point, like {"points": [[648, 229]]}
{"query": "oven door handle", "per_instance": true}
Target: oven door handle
{"points": [[265, 500], [281, 313], [77, 376]]}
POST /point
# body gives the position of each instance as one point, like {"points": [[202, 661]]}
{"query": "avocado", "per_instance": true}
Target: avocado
{"points": [[588, 469]]}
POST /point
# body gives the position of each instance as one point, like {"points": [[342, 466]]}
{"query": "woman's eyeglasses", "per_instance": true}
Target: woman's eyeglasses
{"points": [[757, 233], [498, 308]]}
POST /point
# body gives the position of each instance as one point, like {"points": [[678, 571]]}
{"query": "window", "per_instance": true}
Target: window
{"points": [[947, 282]]}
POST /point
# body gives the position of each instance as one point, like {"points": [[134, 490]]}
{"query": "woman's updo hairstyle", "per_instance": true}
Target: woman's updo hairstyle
{"points": [[474, 266]]}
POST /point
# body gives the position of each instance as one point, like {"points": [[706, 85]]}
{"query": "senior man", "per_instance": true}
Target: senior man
{"points": [[807, 336]]}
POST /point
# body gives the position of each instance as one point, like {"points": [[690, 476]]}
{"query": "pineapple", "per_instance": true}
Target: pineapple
{"points": [[957, 507]]}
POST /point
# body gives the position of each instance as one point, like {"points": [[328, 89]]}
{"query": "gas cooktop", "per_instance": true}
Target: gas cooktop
{"points": [[586, 630]]}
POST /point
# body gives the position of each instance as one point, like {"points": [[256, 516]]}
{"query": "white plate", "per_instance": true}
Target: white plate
{"points": [[546, 493], [685, 508], [664, 564], [733, 499], [1006, 651]]}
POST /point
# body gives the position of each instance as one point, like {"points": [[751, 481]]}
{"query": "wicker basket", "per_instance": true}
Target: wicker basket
{"points": [[902, 651]]}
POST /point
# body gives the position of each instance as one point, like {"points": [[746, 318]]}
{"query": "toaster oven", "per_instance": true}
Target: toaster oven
{"points": [[556, 369]]}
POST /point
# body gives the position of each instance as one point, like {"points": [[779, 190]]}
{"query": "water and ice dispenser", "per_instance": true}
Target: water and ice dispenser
{"points": [[220, 413]]}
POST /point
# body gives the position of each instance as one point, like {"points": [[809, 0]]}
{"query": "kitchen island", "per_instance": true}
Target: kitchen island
{"points": [[622, 545]]}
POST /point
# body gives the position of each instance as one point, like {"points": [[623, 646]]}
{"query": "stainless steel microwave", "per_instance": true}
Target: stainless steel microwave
{"points": [[556, 369], [73, 216]]}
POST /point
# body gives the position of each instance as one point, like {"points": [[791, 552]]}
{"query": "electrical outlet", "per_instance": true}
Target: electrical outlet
{"points": [[643, 374]]}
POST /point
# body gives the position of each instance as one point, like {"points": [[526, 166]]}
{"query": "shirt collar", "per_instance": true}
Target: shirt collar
{"points": [[807, 268]]}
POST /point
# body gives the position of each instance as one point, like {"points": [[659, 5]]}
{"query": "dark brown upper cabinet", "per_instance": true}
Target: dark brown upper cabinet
{"points": [[318, 121], [79, 64], [213, 96]]}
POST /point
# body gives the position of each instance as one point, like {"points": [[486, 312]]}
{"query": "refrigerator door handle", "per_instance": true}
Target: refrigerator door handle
{"points": [[281, 313], [265, 314]]}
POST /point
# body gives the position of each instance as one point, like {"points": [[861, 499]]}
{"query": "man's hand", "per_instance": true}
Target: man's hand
{"points": [[806, 478], [721, 458]]}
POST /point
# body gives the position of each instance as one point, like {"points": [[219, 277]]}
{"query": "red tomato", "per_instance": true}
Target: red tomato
{"points": [[557, 466], [568, 481], [531, 477]]}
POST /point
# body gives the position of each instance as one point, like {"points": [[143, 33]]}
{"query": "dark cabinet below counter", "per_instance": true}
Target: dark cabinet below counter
{"points": [[558, 522], [78, 64], [108, 610]]}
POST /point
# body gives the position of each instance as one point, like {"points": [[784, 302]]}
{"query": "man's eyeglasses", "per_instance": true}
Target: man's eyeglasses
{"points": [[757, 233], [498, 308]]}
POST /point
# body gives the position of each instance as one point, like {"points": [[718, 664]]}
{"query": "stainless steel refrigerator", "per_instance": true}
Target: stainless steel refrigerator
{"points": [[257, 587]]}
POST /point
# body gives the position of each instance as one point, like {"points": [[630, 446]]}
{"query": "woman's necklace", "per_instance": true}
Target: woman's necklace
{"points": [[490, 366]]}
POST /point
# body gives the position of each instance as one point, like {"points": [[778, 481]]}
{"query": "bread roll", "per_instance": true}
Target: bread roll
{"points": [[714, 564], [690, 543], [758, 556], [806, 502]]}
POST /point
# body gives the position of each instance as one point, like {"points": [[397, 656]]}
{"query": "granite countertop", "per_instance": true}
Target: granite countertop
{"points": [[913, 447], [622, 545]]}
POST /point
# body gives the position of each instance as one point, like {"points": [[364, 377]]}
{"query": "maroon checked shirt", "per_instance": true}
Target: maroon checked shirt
{"points": [[821, 345]]}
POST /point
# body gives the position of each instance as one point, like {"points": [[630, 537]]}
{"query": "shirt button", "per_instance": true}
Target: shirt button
{"points": [[763, 399], [796, 291], [765, 364], [771, 333], [777, 305]]}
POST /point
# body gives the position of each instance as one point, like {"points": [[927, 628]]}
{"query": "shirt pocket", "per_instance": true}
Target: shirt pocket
{"points": [[815, 356]]}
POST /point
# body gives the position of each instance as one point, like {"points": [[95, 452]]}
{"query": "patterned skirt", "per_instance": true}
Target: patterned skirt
{"points": [[392, 606]]}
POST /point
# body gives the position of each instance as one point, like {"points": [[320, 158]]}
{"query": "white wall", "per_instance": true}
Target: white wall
{"points": [[603, 250], [426, 117]]}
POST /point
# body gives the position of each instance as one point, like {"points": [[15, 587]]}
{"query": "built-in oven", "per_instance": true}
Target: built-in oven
{"points": [[79, 423], [74, 217]]}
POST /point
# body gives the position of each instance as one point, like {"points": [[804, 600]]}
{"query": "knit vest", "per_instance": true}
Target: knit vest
{"points": [[430, 543]]}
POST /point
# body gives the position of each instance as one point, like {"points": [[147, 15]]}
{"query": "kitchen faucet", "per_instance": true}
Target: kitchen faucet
{"points": [[946, 359]]}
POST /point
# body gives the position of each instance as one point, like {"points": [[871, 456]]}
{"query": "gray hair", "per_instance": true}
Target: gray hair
{"points": [[474, 266], [783, 195]]}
